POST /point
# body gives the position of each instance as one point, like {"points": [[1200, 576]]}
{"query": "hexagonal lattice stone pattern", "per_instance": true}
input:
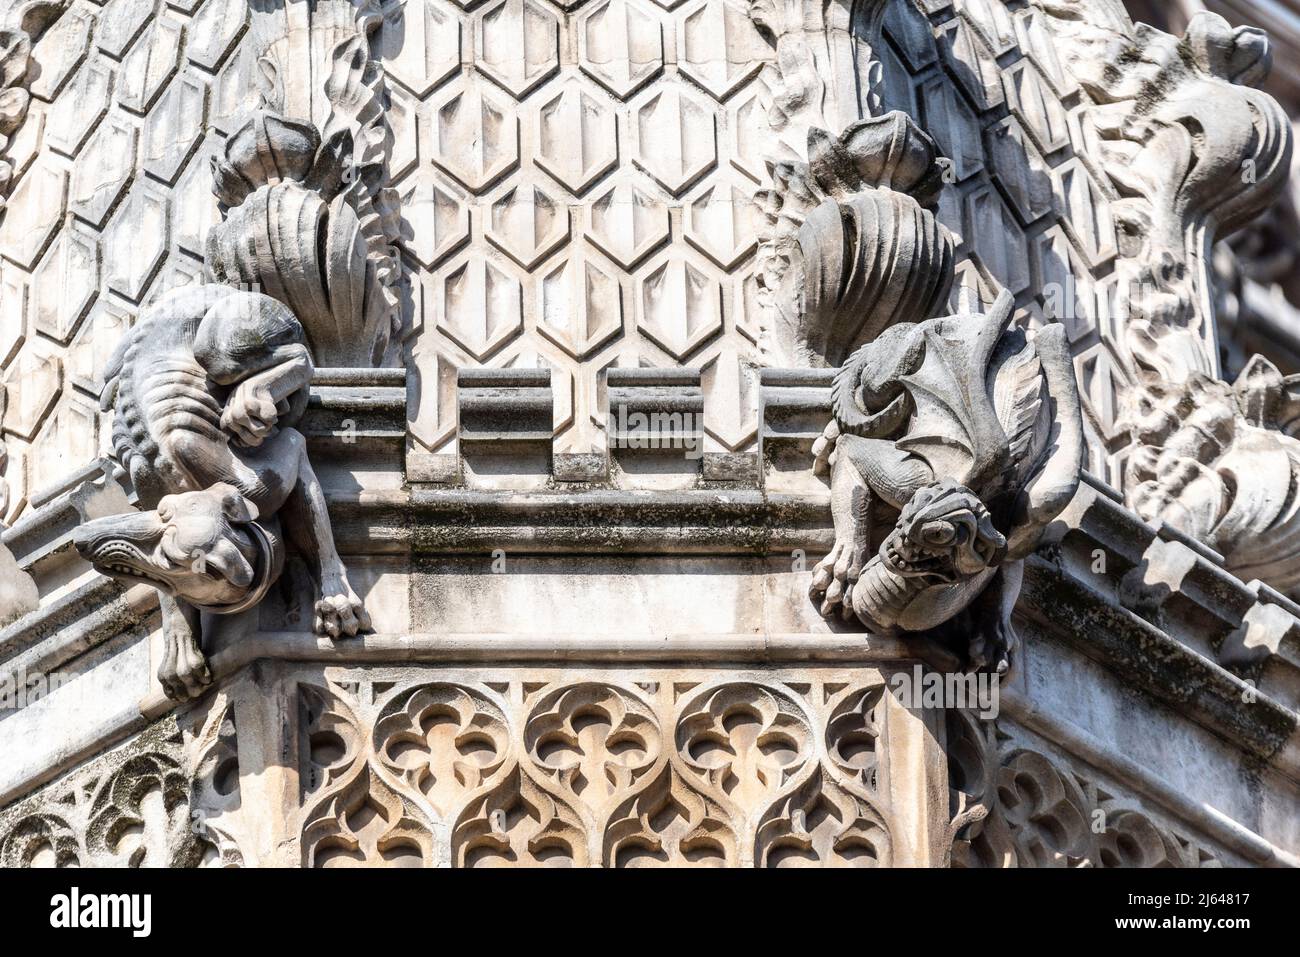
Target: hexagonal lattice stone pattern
{"points": [[577, 138], [674, 134], [32, 381], [137, 240], [679, 306], [174, 127], [435, 219], [100, 176], [422, 47], [621, 45], [518, 43], [528, 223], [570, 191], [65, 283], [481, 306], [1027, 203], [575, 178], [627, 221], [717, 46], [476, 136], [63, 48], [581, 305]]}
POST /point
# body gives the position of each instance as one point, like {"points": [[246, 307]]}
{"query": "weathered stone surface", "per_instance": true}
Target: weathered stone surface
{"points": [[471, 296]]}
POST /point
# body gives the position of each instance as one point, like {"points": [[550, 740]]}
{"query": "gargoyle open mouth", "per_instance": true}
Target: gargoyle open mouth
{"points": [[123, 560], [944, 533], [135, 548], [908, 560]]}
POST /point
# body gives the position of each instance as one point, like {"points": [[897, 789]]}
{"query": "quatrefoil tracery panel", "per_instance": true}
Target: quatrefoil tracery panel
{"points": [[591, 772]]}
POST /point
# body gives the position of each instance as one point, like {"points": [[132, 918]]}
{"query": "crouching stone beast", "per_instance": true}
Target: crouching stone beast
{"points": [[207, 388]]}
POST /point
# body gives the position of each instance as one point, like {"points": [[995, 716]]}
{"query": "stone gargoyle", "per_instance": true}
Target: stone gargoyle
{"points": [[207, 387], [955, 443]]}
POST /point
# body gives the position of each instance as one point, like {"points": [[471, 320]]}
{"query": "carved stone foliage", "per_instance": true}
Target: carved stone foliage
{"points": [[148, 803], [733, 773], [1220, 463], [291, 231], [852, 244], [321, 68], [1195, 150], [966, 436], [1013, 806]]}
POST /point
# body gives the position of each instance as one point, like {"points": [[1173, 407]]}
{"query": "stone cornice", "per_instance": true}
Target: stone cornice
{"points": [[1160, 643]]}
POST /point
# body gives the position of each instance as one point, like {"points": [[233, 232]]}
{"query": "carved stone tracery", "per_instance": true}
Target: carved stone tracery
{"points": [[590, 774], [1013, 806]]}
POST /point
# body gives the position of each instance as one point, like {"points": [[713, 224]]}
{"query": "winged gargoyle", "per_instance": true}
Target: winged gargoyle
{"points": [[207, 386], [955, 443]]}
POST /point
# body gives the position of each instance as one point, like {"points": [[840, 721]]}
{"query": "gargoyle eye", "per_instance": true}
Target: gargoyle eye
{"points": [[938, 533]]}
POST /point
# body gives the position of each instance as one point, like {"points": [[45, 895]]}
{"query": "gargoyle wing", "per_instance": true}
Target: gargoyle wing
{"points": [[955, 428], [1055, 475]]}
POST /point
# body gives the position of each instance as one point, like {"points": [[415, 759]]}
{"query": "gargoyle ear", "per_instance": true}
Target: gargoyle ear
{"points": [[231, 565], [234, 506], [1002, 306]]}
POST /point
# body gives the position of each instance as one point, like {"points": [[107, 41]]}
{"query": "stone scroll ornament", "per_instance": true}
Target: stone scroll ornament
{"points": [[207, 387]]}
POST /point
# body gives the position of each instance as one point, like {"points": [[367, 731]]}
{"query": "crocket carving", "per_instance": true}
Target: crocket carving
{"points": [[207, 387]]}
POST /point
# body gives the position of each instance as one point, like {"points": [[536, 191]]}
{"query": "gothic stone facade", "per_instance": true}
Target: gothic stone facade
{"points": [[615, 432]]}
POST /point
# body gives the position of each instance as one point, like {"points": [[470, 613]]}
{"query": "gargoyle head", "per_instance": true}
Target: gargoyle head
{"points": [[202, 547], [945, 534]]}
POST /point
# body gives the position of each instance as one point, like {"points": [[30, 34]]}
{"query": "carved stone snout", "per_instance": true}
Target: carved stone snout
{"points": [[944, 533], [201, 547]]}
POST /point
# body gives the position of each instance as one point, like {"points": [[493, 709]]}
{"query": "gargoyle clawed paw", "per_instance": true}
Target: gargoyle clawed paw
{"points": [[184, 671], [992, 649], [834, 578], [339, 612]]}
